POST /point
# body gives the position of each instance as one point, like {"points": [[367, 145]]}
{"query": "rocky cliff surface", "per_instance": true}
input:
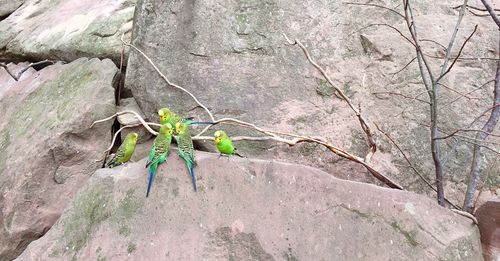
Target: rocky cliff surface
{"points": [[248, 209]]}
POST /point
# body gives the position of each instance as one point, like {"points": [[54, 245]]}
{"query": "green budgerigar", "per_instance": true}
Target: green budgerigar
{"points": [[166, 115], [185, 148], [159, 152], [224, 143], [125, 151]]}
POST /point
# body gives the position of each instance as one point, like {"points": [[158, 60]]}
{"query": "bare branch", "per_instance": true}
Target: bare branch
{"points": [[362, 121], [491, 10], [402, 95], [388, 25], [379, 6], [466, 214], [137, 116], [478, 88], [404, 67], [456, 58], [411, 165], [167, 80]]}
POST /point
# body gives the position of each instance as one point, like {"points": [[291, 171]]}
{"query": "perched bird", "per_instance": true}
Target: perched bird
{"points": [[166, 115], [185, 148], [159, 152], [125, 150], [224, 143]]}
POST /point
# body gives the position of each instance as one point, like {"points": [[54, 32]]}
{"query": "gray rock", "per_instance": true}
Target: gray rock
{"points": [[7, 7], [247, 209], [233, 57], [66, 30], [46, 147]]}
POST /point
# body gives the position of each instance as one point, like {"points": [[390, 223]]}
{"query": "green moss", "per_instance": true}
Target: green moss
{"points": [[124, 230], [324, 88], [128, 207], [89, 210], [411, 236], [101, 258], [131, 247], [347, 89], [4, 143]]}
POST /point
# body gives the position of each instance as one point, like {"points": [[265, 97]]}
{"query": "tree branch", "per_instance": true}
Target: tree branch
{"points": [[362, 121], [167, 80]]}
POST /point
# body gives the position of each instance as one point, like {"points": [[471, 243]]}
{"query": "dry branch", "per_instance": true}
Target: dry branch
{"points": [[167, 80], [411, 164], [362, 120]]}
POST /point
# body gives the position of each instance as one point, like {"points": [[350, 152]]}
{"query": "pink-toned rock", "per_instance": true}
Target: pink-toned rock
{"points": [[47, 150], [488, 216], [247, 209]]}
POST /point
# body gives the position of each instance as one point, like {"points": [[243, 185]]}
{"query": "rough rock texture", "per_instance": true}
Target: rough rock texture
{"points": [[488, 216], [233, 57], [46, 147], [9, 6], [249, 209], [66, 30]]}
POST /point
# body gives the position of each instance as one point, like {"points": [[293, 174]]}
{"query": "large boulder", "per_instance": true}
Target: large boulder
{"points": [[248, 209], [46, 147], [66, 30], [232, 55]]}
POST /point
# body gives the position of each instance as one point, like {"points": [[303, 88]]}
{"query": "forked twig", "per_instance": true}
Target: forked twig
{"points": [[166, 79], [362, 120]]}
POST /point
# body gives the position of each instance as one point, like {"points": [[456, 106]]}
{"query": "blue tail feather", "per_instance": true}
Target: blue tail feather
{"points": [[193, 177], [201, 122], [152, 171]]}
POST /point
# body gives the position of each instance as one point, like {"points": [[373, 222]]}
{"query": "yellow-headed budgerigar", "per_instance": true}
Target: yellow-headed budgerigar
{"points": [[159, 152], [185, 148], [125, 151], [166, 115], [224, 143]]}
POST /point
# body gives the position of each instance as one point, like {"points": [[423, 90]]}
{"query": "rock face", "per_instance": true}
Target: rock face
{"points": [[9, 6], [46, 147], [66, 30], [232, 55], [249, 209], [488, 216]]}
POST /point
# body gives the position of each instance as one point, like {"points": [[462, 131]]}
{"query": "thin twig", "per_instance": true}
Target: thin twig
{"points": [[392, 27], [408, 64], [402, 95], [466, 214], [475, 8], [167, 80], [374, 5], [458, 55], [137, 116], [492, 12], [476, 89], [362, 121], [428, 183]]}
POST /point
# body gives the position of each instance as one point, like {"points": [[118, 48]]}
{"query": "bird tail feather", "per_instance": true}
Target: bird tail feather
{"points": [[152, 171]]}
